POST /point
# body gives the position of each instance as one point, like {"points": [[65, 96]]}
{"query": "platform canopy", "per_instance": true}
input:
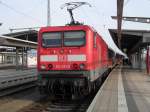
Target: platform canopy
{"points": [[20, 39], [132, 40], [14, 42], [30, 35]]}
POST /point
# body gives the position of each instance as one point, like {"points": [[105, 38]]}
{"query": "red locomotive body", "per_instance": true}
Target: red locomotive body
{"points": [[72, 57]]}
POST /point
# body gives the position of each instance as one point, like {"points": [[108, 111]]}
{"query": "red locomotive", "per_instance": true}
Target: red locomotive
{"points": [[71, 59]]}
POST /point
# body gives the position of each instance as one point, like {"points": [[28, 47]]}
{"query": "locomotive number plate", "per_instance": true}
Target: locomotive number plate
{"points": [[63, 66]]}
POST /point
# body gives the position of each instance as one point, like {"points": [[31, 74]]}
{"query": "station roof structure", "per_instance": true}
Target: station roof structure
{"points": [[14, 42], [131, 40], [20, 39], [30, 35]]}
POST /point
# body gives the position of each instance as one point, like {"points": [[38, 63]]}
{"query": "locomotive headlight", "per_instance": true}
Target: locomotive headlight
{"points": [[43, 67], [82, 66]]}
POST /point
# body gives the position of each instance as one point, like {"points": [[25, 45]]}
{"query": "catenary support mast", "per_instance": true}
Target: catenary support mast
{"points": [[119, 20], [48, 13]]}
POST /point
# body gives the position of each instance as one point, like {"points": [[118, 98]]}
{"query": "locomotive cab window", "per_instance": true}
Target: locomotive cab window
{"points": [[51, 39], [74, 38]]}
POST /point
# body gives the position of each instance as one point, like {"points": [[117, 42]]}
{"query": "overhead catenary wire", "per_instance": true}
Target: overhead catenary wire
{"points": [[91, 20], [103, 26], [102, 14], [98, 15], [19, 12], [89, 17]]}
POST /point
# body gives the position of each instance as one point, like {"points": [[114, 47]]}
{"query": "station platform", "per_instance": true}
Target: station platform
{"points": [[125, 90], [12, 77]]}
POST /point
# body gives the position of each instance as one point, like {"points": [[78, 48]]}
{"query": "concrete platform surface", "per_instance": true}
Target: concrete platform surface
{"points": [[125, 90]]}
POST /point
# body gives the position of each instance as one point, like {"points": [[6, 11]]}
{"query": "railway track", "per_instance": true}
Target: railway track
{"points": [[70, 106], [61, 105], [17, 88], [32, 101], [14, 102]]}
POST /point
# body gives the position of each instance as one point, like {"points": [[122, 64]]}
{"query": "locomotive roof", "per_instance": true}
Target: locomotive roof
{"points": [[73, 26]]}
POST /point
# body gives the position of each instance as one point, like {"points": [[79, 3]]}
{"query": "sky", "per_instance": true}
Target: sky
{"points": [[33, 13]]}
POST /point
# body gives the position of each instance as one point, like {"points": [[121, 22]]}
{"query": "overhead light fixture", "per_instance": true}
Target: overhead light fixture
{"points": [[136, 19], [148, 20]]}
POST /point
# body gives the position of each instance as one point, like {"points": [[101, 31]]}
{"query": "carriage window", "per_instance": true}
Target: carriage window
{"points": [[74, 38], [51, 39]]}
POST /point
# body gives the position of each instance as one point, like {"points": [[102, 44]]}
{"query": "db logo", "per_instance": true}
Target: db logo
{"points": [[62, 58]]}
